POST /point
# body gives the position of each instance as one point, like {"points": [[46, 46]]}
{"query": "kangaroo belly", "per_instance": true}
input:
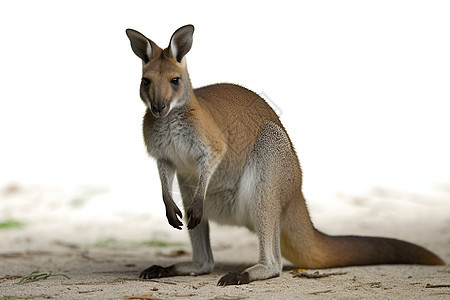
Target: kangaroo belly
{"points": [[231, 203]]}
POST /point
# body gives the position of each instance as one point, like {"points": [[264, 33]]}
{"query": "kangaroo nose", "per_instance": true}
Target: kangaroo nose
{"points": [[158, 107]]}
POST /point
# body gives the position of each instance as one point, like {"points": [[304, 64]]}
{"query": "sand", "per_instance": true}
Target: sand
{"points": [[103, 254]]}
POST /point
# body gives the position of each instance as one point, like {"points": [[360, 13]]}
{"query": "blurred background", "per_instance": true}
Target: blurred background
{"points": [[362, 88]]}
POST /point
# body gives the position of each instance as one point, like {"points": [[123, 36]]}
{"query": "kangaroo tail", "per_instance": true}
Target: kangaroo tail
{"points": [[340, 251], [306, 247]]}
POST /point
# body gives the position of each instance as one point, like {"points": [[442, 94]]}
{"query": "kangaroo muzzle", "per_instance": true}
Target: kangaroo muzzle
{"points": [[159, 109]]}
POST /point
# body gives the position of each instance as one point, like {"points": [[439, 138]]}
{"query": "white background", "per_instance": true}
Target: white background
{"points": [[363, 87]]}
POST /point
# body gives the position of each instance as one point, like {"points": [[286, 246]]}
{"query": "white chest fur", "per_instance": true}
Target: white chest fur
{"points": [[173, 139]]}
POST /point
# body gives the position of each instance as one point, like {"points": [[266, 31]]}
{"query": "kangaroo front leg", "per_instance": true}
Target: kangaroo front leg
{"points": [[202, 259], [166, 173], [195, 211]]}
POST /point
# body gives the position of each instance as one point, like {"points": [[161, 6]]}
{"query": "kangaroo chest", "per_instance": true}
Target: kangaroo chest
{"points": [[173, 139]]}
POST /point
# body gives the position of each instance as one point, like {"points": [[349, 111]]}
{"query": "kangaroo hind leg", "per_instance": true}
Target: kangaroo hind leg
{"points": [[263, 202], [269, 264]]}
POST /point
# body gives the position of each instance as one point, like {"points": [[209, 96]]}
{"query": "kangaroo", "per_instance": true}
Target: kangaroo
{"points": [[236, 165]]}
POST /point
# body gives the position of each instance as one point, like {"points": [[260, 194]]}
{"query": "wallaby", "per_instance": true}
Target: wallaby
{"points": [[235, 164]]}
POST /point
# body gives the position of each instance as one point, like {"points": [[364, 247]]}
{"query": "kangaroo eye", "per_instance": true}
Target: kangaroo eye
{"points": [[175, 81], [146, 81]]}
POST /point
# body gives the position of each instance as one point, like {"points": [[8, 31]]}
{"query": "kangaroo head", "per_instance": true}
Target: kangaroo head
{"points": [[165, 82]]}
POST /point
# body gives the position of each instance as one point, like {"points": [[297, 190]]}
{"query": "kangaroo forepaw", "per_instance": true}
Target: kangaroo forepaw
{"points": [[172, 214], [194, 214], [233, 278], [156, 272]]}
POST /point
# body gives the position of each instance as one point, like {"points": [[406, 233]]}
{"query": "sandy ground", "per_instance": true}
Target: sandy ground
{"points": [[103, 254]]}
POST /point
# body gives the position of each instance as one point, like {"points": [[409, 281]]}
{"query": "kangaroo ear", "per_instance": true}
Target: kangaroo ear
{"points": [[181, 42], [142, 46]]}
